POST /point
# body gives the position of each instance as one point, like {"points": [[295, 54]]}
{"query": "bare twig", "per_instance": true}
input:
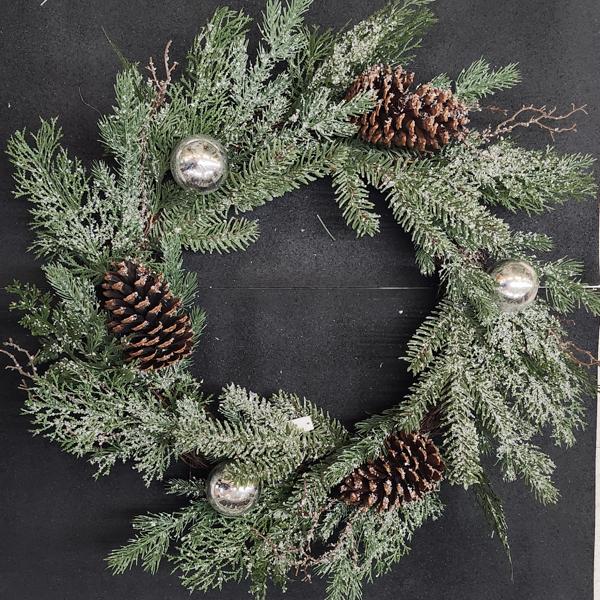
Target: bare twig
{"points": [[536, 116], [11, 350], [161, 85], [580, 356], [495, 109]]}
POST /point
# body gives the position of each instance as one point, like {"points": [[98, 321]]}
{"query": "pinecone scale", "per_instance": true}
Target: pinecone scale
{"points": [[147, 315], [425, 119], [411, 468]]}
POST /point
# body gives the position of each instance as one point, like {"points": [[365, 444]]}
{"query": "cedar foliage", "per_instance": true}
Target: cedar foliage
{"points": [[496, 381]]}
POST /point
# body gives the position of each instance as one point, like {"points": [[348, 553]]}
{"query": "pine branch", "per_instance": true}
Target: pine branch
{"points": [[317, 47], [327, 118], [257, 434], [352, 197], [529, 180], [369, 546], [565, 290], [183, 284], [535, 468], [481, 80], [462, 444], [442, 81], [214, 233], [430, 337], [280, 168], [388, 36], [493, 510], [152, 543], [259, 91]]}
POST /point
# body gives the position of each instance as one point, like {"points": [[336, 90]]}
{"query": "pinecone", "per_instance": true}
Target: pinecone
{"points": [[143, 309], [424, 119], [411, 468]]}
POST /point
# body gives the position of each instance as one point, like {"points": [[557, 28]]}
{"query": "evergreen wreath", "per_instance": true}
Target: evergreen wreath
{"points": [[492, 368]]}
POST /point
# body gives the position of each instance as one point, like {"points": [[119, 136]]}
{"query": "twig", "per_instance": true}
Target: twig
{"points": [[11, 353], [325, 227], [161, 85], [573, 350], [495, 109], [538, 116]]}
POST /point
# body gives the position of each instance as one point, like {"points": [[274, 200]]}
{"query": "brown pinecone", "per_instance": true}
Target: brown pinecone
{"points": [[424, 119], [144, 310], [411, 468]]}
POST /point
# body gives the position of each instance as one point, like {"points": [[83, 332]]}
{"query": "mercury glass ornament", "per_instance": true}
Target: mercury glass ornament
{"points": [[517, 284], [199, 162], [228, 498]]}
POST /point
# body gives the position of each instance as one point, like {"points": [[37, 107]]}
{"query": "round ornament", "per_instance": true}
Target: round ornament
{"points": [[199, 162], [228, 498], [517, 284]]}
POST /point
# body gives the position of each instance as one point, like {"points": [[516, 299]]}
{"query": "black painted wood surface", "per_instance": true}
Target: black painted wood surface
{"points": [[298, 311]]}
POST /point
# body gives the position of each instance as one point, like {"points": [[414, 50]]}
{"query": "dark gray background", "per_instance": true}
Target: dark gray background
{"points": [[297, 311]]}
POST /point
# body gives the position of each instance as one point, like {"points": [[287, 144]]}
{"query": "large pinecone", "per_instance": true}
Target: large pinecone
{"points": [[424, 119], [411, 468], [143, 309]]}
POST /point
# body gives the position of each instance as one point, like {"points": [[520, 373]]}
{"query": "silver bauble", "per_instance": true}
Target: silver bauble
{"points": [[199, 162], [228, 498], [517, 284]]}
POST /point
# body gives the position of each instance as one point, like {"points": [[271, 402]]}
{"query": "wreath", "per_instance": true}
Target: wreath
{"points": [[278, 487]]}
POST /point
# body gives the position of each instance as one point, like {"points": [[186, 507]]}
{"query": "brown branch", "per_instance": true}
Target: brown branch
{"points": [[161, 85], [495, 109], [535, 116], [575, 352], [11, 350]]}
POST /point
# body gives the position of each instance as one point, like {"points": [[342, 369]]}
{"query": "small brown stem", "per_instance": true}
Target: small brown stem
{"points": [[495, 109], [11, 350], [580, 356], [161, 85], [536, 116]]}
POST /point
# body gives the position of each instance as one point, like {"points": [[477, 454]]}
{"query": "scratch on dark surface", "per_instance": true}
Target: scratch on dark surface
{"points": [[325, 227], [83, 99]]}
